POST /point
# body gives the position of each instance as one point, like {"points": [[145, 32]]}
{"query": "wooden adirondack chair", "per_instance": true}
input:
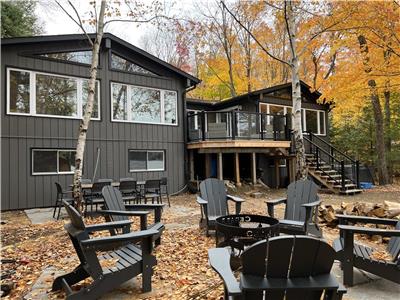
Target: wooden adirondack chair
{"points": [[117, 210], [355, 255], [132, 252], [213, 202], [301, 212], [284, 267]]}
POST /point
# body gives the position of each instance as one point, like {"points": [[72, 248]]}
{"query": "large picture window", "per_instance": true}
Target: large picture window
{"points": [[119, 63], [53, 161], [143, 105], [82, 57], [146, 160], [42, 94]]}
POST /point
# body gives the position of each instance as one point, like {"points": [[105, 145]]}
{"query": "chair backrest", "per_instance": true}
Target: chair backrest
{"points": [[59, 188], [152, 184], [74, 216], [286, 257], [213, 191], [113, 199], [163, 181], [394, 245], [298, 193], [127, 185], [98, 186], [86, 181]]}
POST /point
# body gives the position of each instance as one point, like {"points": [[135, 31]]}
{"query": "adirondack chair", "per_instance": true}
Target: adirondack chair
{"points": [[116, 210], [132, 252], [284, 267], [213, 202], [352, 254], [301, 212]]}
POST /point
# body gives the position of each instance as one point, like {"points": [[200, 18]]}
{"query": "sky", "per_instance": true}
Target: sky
{"points": [[56, 21]]}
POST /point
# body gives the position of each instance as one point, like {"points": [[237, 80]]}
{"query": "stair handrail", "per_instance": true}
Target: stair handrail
{"points": [[323, 150], [331, 146]]}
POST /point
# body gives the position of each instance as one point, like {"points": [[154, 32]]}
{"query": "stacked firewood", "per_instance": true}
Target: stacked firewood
{"points": [[387, 209]]}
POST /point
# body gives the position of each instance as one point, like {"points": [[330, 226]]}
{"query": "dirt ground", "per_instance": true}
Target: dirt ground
{"points": [[182, 271]]}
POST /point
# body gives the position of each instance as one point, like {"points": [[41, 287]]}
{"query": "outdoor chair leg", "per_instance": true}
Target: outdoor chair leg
{"points": [[59, 210], [169, 204], [71, 278], [55, 208]]}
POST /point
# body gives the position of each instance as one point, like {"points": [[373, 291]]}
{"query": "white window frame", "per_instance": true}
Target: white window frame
{"points": [[303, 111], [58, 161], [32, 95], [129, 105], [147, 160]]}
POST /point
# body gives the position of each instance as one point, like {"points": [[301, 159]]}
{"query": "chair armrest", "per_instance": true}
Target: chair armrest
{"points": [[370, 231], [107, 226], [123, 213], [116, 241], [144, 206], [219, 260], [201, 201], [360, 219], [234, 198], [272, 203], [276, 201], [312, 204]]}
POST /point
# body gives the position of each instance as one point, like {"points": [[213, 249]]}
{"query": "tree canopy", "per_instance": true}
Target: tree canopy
{"points": [[18, 19]]}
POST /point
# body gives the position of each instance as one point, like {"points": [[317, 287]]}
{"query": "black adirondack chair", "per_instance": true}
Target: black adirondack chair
{"points": [[117, 210], [213, 202], [285, 267], [301, 212], [352, 254], [132, 250]]}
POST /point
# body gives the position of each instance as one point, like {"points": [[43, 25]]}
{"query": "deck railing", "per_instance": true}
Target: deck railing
{"points": [[233, 125]]}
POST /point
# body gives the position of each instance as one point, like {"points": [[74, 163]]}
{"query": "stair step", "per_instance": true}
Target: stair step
{"points": [[333, 181], [326, 171], [353, 191], [331, 176], [338, 186]]}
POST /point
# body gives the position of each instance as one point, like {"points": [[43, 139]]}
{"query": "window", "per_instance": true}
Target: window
{"points": [[143, 105], [314, 121], [119, 63], [83, 57], [146, 160], [53, 161], [41, 94]]}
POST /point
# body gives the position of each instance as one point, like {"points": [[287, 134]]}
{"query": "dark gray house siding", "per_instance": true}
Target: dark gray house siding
{"points": [[20, 134]]}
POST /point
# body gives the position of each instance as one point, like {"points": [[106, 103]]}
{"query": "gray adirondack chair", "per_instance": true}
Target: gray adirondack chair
{"points": [[213, 202], [352, 254], [132, 252], [301, 212], [284, 267], [117, 210]]}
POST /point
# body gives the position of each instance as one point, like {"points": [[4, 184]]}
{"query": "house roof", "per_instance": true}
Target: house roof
{"points": [[236, 100], [77, 37]]}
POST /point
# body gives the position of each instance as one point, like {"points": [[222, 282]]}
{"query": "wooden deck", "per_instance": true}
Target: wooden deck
{"points": [[238, 144]]}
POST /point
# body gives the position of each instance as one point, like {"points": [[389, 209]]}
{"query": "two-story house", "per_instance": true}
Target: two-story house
{"points": [[137, 129]]}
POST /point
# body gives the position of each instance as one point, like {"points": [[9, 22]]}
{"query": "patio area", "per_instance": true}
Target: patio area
{"points": [[42, 250]]}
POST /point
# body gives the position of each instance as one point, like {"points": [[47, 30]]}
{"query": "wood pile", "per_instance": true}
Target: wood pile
{"points": [[387, 209]]}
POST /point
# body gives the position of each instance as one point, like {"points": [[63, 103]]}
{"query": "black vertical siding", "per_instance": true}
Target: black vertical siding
{"points": [[19, 134]]}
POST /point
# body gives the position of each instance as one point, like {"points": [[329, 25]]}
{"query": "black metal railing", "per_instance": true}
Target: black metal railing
{"points": [[347, 167], [233, 125]]}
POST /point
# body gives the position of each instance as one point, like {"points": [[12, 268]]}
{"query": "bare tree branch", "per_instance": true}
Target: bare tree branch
{"points": [[252, 36]]}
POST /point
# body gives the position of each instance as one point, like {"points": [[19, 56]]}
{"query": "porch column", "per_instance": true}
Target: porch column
{"points": [[191, 164], [277, 173], [220, 167], [208, 165], [253, 168], [237, 170], [289, 164]]}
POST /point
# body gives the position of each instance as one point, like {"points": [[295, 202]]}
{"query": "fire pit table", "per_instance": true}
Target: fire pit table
{"points": [[239, 231]]}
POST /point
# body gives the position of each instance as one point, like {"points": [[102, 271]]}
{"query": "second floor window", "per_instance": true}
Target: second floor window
{"points": [[42, 94], [143, 105]]}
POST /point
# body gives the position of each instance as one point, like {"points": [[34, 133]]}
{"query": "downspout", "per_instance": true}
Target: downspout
{"points": [[188, 89]]}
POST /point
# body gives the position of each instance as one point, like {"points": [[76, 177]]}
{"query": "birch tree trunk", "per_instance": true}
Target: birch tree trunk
{"points": [[84, 125], [301, 168], [383, 174]]}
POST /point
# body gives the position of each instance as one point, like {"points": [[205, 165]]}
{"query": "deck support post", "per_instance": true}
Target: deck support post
{"points": [[208, 165], [277, 173], [289, 166], [220, 167], [237, 170], [253, 168], [191, 164]]}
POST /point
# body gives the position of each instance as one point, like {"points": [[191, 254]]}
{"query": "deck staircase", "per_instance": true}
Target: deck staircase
{"points": [[332, 168]]}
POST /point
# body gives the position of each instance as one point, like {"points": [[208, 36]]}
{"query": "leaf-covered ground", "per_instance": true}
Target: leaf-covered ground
{"points": [[182, 271]]}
